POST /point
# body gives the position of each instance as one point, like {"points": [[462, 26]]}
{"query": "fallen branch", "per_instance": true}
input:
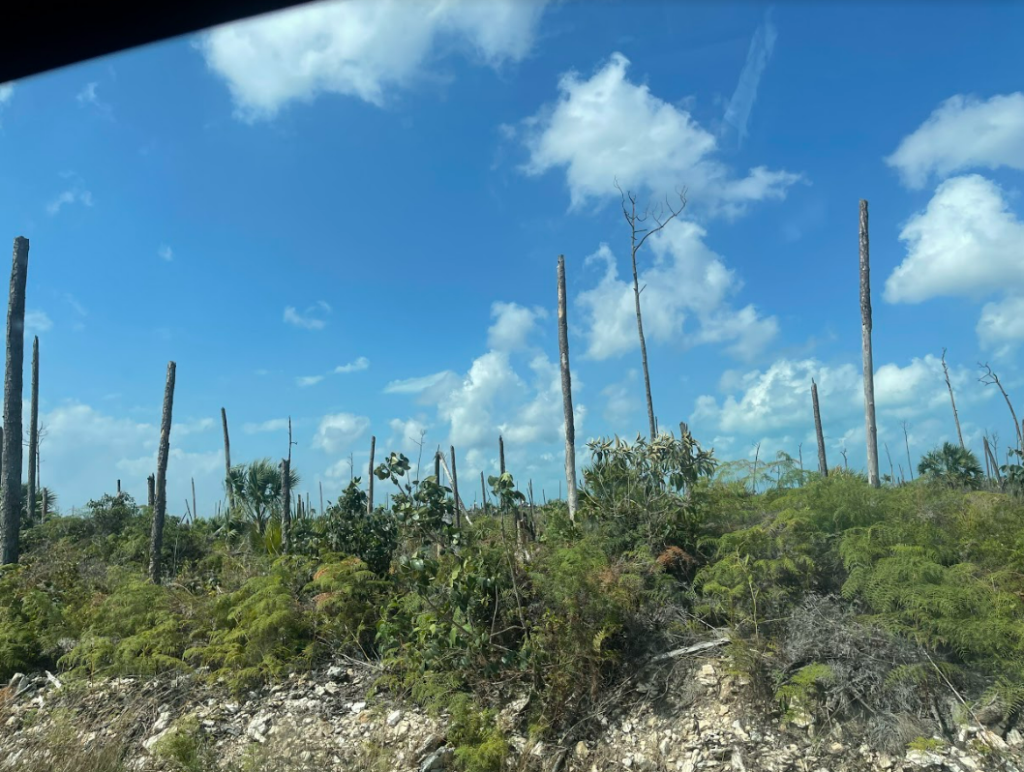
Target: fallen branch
{"points": [[697, 647]]}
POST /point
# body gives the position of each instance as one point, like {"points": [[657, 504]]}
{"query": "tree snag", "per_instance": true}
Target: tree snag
{"points": [[10, 466], [822, 464], [952, 399], [33, 433], [156, 539], [369, 496], [570, 424], [871, 429]]}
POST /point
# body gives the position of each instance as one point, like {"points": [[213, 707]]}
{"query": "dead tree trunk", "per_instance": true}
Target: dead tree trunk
{"points": [[10, 471], [286, 505], [483, 493], [156, 539], [501, 454], [906, 440], [952, 399], [151, 491], [321, 482], [822, 463], [437, 466], [227, 459], [369, 495], [871, 429], [990, 378], [455, 490], [570, 424], [33, 432]]}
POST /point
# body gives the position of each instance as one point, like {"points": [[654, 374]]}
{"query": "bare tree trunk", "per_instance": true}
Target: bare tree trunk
{"points": [[990, 378], [822, 463], [321, 497], [643, 345], [10, 472], [156, 539], [991, 458], [455, 490], [483, 493], [369, 496], [437, 465], [195, 509], [952, 399], [570, 423], [501, 454], [286, 504], [906, 440], [33, 432], [871, 429], [800, 452], [118, 487], [151, 491], [892, 470], [227, 458]]}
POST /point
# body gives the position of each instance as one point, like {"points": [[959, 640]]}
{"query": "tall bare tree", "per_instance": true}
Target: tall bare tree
{"points": [[822, 463], [638, 234], [156, 538], [227, 459], [10, 467], [871, 429], [501, 455], [570, 425], [286, 504], [952, 399], [989, 379], [33, 431], [369, 497], [455, 490], [906, 440]]}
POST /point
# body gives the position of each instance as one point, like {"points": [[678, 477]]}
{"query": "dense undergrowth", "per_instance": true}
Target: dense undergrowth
{"points": [[880, 606]]}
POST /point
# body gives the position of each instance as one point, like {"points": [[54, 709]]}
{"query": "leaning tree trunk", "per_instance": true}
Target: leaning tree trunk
{"points": [[227, 459], [10, 471], [156, 539], [952, 399], [822, 463], [33, 432], [286, 505], [455, 490], [369, 496], [570, 425], [871, 429]]}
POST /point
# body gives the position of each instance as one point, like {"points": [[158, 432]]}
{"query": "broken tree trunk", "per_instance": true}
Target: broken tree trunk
{"points": [[227, 459], [151, 491], [455, 489], [906, 440], [871, 429], [156, 538], [286, 505], [10, 467], [952, 399], [570, 428], [501, 454], [822, 463], [33, 432], [369, 496]]}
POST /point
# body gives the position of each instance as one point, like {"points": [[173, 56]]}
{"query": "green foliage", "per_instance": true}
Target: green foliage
{"points": [[346, 602], [473, 733], [186, 748], [256, 488], [953, 466]]}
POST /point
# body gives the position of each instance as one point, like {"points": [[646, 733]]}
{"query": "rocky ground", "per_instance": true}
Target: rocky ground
{"points": [[696, 717]]}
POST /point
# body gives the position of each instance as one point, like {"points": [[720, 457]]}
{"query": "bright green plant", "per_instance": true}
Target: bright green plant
{"points": [[953, 466]]}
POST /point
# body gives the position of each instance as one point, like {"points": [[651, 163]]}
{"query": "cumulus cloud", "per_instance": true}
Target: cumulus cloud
{"points": [[419, 384], [965, 242], [362, 363], [310, 319], [359, 48], [606, 128], [685, 281], [622, 399], [964, 132], [1001, 326], [338, 431], [737, 114], [513, 325]]}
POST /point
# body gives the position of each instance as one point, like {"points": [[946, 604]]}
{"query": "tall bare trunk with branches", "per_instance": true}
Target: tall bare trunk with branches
{"points": [[989, 379], [570, 423], [10, 467], [822, 463], [227, 459], [33, 432], [871, 429], [637, 236], [369, 495], [990, 461], [952, 400], [156, 538]]}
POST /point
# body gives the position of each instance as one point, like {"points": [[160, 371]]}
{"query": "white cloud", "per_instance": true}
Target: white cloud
{"points": [[1001, 326], [37, 322], [311, 318], [737, 114], [273, 425], [362, 363], [6, 92], [194, 426], [963, 132], [513, 325], [71, 196], [308, 380], [608, 128], [421, 384], [622, 399], [165, 253], [966, 242], [87, 95], [360, 48], [405, 438], [684, 280], [338, 431]]}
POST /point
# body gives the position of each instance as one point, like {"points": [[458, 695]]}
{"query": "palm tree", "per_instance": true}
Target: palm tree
{"points": [[256, 489], [952, 465]]}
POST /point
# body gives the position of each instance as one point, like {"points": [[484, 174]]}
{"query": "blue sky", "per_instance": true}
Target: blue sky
{"points": [[350, 214]]}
